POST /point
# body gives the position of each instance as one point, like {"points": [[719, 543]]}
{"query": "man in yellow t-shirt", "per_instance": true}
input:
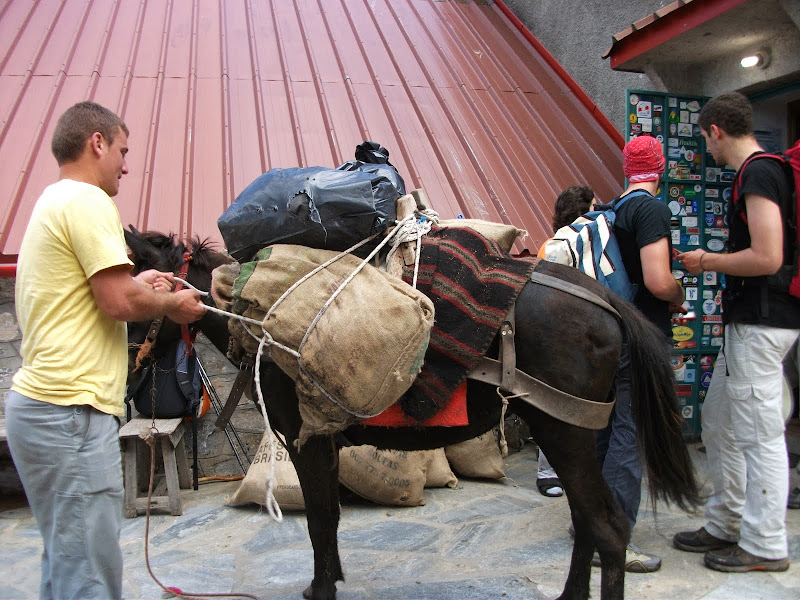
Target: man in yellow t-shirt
{"points": [[74, 294]]}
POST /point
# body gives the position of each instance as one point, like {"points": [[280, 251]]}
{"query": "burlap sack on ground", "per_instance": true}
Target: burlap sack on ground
{"points": [[286, 490], [439, 473], [503, 234], [478, 457], [392, 477], [364, 351]]}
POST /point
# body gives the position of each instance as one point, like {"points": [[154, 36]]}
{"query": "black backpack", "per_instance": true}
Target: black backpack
{"points": [[177, 385], [177, 388]]}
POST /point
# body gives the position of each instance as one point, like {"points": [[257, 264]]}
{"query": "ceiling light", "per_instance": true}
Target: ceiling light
{"points": [[751, 61], [759, 59]]}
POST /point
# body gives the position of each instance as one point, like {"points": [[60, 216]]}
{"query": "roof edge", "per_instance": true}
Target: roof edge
{"points": [[573, 85], [662, 26]]}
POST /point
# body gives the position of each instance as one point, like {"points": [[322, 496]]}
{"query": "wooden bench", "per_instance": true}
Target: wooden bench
{"points": [[137, 464]]}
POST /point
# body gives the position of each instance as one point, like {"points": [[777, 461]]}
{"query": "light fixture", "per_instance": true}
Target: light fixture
{"points": [[759, 59]]}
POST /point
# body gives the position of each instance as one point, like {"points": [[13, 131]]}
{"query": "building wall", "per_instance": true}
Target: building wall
{"points": [[577, 33]]}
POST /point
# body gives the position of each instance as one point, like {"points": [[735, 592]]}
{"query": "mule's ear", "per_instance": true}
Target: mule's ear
{"points": [[144, 253]]}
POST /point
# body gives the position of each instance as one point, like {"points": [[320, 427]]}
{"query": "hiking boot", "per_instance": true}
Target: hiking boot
{"points": [[699, 541], [636, 561], [734, 559], [794, 498]]}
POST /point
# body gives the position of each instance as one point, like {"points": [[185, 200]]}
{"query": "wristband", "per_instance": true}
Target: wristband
{"points": [[701, 260]]}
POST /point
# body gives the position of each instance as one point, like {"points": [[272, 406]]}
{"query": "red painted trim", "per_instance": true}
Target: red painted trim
{"points": [[8, 270], [668, 27], [576, 89]]}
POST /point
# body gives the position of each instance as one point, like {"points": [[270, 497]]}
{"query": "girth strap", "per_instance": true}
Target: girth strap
{"points": [[574, 290], [561, 405]]}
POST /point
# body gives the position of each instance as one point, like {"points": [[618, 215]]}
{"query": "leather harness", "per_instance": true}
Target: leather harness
{"points": [[561, 405]]}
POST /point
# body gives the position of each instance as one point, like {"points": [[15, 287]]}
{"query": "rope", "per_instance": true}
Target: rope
{"points": [[505, 399], [172, 591], [411, 228]]}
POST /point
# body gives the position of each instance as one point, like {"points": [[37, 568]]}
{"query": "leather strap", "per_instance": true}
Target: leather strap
{"points": [[508, 355], [574, 290], [242, 380], [564, 407]]}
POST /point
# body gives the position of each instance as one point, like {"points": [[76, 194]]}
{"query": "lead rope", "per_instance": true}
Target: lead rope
{"points": [[411, 228]]}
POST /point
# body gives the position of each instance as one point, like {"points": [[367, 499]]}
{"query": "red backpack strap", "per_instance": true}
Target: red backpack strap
{"points": [[737, 181]]}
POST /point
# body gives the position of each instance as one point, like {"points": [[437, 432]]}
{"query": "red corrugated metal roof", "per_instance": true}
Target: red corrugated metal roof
{"points": [[217, 92]]}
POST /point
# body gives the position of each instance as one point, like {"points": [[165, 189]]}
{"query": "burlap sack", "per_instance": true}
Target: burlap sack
{"points": [[286, 490], [478, 457], [365, 349], [392, 477], [503, 234], [439, 473]]}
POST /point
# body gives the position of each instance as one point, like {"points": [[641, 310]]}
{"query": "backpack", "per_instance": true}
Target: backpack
{"points": [[589, 244], [177, 385], [178, 392], [787, 278]]}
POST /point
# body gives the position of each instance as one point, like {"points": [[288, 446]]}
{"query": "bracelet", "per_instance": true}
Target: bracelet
{"points": [[701, 260]]}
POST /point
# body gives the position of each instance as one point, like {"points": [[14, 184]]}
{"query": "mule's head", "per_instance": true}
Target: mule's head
{"points": [[165, 252]]}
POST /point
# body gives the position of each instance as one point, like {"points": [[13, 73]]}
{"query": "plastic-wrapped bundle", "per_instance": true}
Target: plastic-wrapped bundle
{"points": [[319, 207]]}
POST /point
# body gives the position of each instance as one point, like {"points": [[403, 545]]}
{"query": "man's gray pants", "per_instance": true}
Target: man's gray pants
{"points": [[68, 459]]}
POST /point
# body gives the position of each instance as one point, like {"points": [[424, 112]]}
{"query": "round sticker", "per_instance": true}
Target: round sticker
{"points": [[698, 188], [634, 99], [676, 361], [707, 362], [720, 222], [674, 191], [716, 329], [674, 207], [715, 245], [682, 333], [677, 273], [726, 194], [689, 154], [709, 307], [705, 379], [632, 118]]}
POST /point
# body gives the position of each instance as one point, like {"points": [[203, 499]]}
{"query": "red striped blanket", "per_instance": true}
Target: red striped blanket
{"points": [[473, 283]]}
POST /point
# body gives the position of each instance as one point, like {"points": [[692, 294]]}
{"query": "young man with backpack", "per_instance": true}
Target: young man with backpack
{"points": [[642, 229], [742, 420]]}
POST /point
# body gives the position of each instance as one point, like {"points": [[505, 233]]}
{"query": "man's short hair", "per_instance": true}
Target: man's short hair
{"points": [[78, 124], [571, 204], [730, 112]]}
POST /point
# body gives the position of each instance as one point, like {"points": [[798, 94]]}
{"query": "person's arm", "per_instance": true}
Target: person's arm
{"points": [[124, 298], [763, 257], [658, 278]]}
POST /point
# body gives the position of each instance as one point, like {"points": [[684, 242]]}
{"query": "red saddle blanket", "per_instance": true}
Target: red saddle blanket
{"points": [[452, 414], [473, 283]]}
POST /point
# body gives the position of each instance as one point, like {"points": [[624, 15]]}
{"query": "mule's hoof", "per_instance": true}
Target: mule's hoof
{"points": [[309, 594]]}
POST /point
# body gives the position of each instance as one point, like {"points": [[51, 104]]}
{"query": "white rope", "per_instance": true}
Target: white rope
{"points": [[409, 229]]}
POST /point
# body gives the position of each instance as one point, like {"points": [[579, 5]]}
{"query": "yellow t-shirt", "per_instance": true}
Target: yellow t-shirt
{"points": [[72, 352]]}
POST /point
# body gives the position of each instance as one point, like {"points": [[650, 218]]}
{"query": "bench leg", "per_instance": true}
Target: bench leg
{"points": [[129, 478], [171, 474], [184, 473]]}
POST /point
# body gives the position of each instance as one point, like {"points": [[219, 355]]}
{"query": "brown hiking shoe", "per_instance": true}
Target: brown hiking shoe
{"points": [[699, 541], [735, 559]]}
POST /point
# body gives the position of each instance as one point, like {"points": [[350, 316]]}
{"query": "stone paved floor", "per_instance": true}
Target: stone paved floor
{"points": [[483, 540]]}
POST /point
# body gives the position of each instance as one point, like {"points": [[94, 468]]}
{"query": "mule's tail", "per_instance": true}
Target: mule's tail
{"points": [[670, 474]]}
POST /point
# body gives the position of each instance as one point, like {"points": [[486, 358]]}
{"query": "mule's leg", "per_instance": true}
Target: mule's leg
{"points": [[317, 469], [599, 521]]}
